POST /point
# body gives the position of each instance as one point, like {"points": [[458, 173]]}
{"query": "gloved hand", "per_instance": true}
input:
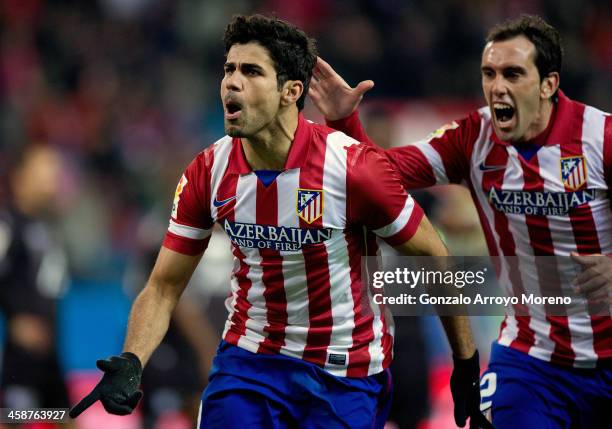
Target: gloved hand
{"points": [[465, 388], [118, 389]]}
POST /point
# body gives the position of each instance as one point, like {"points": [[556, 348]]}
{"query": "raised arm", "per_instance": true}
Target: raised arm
{"points": [[441, 158]]}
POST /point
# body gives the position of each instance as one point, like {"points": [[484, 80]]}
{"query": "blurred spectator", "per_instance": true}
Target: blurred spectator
{"points": [[32, 277]]}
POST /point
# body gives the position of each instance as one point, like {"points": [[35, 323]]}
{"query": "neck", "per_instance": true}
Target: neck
{"points": [[542, 120], [269, 148]]}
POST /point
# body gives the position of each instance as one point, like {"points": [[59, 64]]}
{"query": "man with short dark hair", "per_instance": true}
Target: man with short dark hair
{"points": [[33, 275], [303, 344], [539, 168]]}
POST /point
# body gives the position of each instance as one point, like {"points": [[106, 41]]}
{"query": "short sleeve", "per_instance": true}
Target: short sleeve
{"points": [[190, 220], [376, 198]]}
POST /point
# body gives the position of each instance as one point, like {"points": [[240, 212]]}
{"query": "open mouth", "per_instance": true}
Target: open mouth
{"points": [[232, 110], [504, 113]]}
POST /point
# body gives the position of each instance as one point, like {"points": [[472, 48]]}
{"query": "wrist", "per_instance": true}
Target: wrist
{"points": [[467, 362], [331, 122], [134, 359]]}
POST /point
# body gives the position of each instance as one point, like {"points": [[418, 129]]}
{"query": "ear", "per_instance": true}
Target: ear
{"points": [[549, 85], [291, 92]]}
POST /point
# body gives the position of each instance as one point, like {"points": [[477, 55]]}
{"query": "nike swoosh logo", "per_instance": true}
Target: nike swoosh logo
{"points": [[218, 203], [484, 167]]}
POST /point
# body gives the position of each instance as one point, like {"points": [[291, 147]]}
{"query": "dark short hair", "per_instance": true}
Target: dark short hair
{"points": [[294, 54], [545, 37]]}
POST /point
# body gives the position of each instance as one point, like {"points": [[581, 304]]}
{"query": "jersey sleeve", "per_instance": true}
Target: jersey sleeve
{"points": [[191, 224], [376, 198], [441, 158]]}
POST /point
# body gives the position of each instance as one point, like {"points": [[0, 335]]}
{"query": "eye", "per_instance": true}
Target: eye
{"points": [[487, 74]]}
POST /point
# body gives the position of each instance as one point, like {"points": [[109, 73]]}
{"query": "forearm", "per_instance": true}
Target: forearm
{"points": [[459, 334], [149, 321]]}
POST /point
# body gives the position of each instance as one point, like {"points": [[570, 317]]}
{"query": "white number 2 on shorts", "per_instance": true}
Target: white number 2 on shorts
{"points": [[488, 385]]}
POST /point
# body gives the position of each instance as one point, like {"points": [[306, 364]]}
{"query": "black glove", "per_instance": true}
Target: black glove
{"points": [[465, 387], [118, 389]]}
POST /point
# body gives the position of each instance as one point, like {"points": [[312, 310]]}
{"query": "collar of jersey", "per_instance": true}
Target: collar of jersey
{"points": [[564, 123], [298, 152]]}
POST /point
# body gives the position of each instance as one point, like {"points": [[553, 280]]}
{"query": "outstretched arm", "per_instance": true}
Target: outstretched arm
{"points": [[118, 390], [439, 159], [152, 309]]}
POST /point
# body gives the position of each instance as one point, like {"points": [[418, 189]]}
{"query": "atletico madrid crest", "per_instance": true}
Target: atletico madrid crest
{"points": [[310, 204], [573, 171]]}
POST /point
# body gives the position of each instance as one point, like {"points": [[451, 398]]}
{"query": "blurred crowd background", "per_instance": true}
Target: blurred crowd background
{"points": [[121, 94]]}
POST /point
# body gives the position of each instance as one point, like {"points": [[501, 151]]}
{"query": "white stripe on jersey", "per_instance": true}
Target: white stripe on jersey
{"points": [[592, 146], [517, 225], [482, 147], [223, 147], [188, 231], [343, 316], [435, 161], [245, 212], [294, 270], [399, 223]]}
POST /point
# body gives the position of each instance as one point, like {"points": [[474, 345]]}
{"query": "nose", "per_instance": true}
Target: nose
{"points": [[498, 86], [233, 81]]}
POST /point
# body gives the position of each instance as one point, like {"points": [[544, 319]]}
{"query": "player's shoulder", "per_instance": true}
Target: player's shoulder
{"points": [[206, 157], [334, 139]]}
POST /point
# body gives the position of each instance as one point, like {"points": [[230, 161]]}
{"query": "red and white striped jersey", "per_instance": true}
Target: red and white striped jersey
{"points": [[296, 286], [552, 204]]}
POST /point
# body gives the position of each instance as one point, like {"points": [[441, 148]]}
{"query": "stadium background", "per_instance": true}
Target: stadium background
{"points": [[127, 92]]}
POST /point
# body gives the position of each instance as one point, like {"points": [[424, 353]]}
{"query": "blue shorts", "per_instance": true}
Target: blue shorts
{"points": [[255, 390], [527, 393]]}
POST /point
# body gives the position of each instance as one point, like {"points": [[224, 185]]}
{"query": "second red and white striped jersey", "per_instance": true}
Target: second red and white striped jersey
{"points": [[297, 287], [554, 203]]}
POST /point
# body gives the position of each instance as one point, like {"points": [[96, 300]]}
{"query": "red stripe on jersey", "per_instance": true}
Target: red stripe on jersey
{"points": [[242, 305], [495, 178], [548, 273], [272, 278], [317, 272], [185, 245], [363, 333], [237, 329], [602, 341], [412, 166], [486, 226], [450, 160]]}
